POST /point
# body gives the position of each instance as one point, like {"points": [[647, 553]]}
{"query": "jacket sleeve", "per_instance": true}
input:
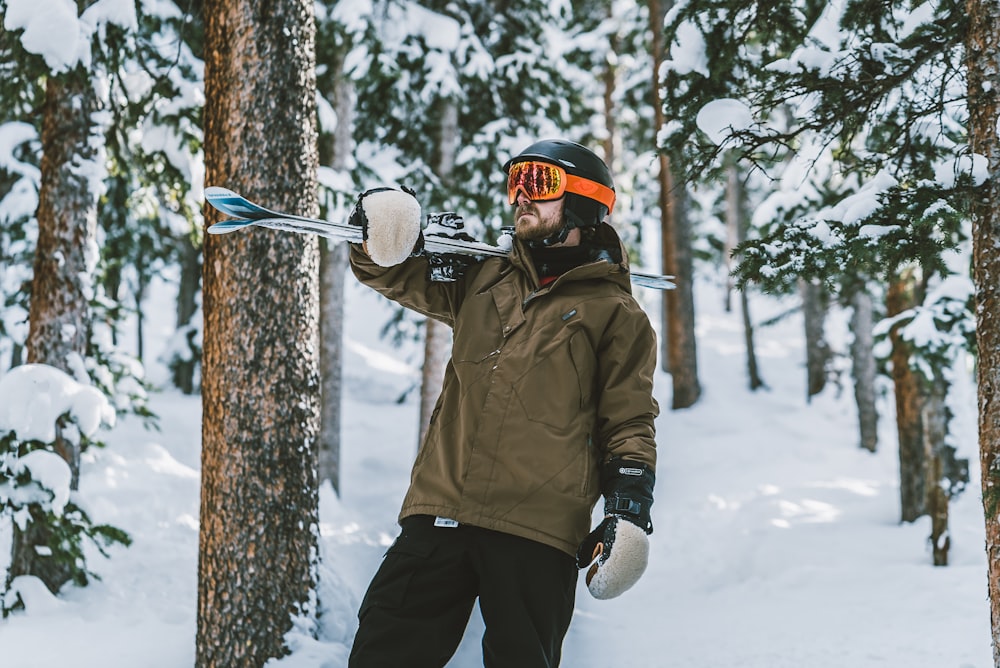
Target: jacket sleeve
{"points": [[626, 409], [409, 285]]}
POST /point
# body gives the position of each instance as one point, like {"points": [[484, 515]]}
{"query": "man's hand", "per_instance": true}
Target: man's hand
{"points": [[617, 551], [390, 224]]}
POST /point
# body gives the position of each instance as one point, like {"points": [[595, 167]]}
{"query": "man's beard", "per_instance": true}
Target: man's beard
{"points": [[543, 228]]}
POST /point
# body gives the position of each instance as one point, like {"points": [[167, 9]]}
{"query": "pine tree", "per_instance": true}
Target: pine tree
{"points": [[856, 111], [68, 101]]}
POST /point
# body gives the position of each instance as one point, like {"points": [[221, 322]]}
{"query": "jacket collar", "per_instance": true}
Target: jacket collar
{"points": [[614, 267]]}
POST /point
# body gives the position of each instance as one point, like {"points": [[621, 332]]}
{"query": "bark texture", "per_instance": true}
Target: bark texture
{"points": [[333, 268], [983, 54], [935, 420], [736, 224], [187, 304], [864, 368], [814, 307], [913, 455], [260, 384]]}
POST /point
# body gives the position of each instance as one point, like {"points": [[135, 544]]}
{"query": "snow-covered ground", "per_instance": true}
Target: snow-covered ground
{"points": [[777, 540]]}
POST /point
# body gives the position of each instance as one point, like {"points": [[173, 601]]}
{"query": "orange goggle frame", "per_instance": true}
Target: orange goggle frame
{"points": [[543, 181]]}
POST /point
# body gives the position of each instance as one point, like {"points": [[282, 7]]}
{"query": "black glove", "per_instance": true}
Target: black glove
{"points": [[617, 551], [389, 219]]}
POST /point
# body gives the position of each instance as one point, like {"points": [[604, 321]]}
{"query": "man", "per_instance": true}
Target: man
{"points": [[546, 405]]}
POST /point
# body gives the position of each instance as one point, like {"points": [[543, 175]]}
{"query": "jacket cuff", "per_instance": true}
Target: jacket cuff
{"points": [[628, 491]]}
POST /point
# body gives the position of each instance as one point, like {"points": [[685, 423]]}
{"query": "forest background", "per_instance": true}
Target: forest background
{"points": [[839, 156]]}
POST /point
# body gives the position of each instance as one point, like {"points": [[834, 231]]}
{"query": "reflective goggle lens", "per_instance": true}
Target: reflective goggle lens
{"points": [[538, 180], [541, 181]]}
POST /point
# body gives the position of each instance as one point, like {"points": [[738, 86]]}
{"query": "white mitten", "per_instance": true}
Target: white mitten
{"points": [[390, 223], [620, 552], [617, 551]]}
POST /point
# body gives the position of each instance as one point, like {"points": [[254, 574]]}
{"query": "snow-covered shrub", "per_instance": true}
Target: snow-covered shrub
{"points": [[41, 407]]}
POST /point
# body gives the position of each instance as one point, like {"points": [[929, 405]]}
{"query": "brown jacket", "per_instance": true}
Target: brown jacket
{"points": [[544, 385]]}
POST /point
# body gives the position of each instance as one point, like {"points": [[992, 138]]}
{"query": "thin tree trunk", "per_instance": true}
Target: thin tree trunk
{"points": [[753, 372], [187, 304], [909, 408], [261, 382], [140, 320], [982, 54], [65, 260], [735, 227], [864, 368], [681, 358], [935, 421], [814, 305], [736, 222], [333, 268]]}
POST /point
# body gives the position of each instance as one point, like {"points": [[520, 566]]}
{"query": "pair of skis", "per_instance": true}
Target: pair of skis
{"points": [[247, 214]]}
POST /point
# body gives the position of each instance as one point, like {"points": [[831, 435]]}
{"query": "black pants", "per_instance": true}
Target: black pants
{"points": [[419, 602]]}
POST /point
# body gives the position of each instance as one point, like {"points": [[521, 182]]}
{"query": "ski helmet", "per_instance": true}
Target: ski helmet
{"points": [[577, 160]]}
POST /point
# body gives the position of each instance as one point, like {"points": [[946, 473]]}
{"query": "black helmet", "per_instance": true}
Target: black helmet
{"points": [[582, 211]]}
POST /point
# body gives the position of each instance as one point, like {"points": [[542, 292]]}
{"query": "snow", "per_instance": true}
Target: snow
{"points": [[719, 118], [688, 52], [975, 165], [33, 396], [50, 477], [12, 135], [858, 206], [53, 30], [776, 543]]}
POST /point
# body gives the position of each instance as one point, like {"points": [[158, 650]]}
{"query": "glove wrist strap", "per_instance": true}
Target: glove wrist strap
{"points": [[628, 492]]}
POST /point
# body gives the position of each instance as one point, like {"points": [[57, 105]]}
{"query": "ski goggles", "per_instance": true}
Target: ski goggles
{"points": [[542, 181]]}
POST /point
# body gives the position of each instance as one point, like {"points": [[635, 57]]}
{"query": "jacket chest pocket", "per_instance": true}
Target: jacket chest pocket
{"points": [[478, 334], [559, 386]]}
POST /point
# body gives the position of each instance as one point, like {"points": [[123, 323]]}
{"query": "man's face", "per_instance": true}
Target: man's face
{"points": [[534, 221]]}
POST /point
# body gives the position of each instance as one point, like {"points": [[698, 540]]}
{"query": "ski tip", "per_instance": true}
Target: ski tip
{"points": [[216, 192], [654, 281], [227, 226]]}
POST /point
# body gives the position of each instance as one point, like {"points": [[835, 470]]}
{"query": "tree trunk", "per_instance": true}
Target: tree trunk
{"points": [[141, 281], [681, 357], [65, 261], [814, 305], [736, 225], [909, 408], [864, 368], [260, 381], [935, 421], [736, 221], [187, 305], [983, 52], [333, 268]]}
